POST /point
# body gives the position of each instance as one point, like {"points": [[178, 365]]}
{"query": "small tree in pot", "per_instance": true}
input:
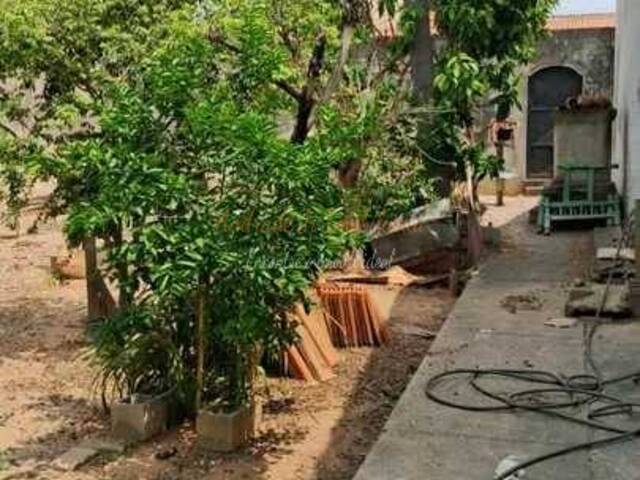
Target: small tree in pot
{"points": [[138, 360], [226, 224], [214, 224]]}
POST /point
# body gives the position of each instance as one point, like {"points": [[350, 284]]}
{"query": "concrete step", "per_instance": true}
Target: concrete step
{"points": [[533, 188]]}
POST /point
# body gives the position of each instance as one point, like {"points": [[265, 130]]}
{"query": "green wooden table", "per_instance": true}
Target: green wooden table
{"points": [[580, 193]]}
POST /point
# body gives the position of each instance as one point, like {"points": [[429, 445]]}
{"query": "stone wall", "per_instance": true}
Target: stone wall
{"points": [[589, 52], [584, 137]]}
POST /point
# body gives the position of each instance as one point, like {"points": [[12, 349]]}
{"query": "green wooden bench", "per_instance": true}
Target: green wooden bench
{"points": [[580, 193]]}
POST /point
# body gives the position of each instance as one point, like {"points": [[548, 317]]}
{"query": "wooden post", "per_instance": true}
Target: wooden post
{"points": [[500, 192], [200, 320], [454, 282], [500, 181], [91, 268]]}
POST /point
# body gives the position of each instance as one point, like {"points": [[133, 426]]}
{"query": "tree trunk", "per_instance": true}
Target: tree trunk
{"points": [[200, 338], [125, 298], [472, 184], [422, 54], [422, 73], [307, 98], [346, 39], [100, 302], [471, 196], [500, 182], [303, 119], [349, 174]]}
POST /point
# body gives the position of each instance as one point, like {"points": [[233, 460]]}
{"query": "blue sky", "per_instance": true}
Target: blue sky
{"points": [[585, 6]]}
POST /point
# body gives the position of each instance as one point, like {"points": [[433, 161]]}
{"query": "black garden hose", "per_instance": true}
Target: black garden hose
{"points": [[579, 390]]}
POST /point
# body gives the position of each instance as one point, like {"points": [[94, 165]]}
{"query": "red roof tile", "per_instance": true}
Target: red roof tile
{"points": [[582, 22], [386, 26]]}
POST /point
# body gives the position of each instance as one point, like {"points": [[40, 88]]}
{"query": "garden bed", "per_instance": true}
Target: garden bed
{"points": [[308, 431]]}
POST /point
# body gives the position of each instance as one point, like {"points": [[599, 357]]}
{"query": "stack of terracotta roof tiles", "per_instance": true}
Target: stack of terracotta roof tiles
{"points": [[352, 318], [347, 318], [313, 357]]}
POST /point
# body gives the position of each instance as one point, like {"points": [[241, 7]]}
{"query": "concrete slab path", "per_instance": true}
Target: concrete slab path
{"points": [[426, 441]]}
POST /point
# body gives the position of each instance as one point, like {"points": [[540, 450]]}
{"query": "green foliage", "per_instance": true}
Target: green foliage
{"points": [[488, 41], [139, 352], [210, 196], [16, 170], [56, 58], [161, 123], [381, 130]]}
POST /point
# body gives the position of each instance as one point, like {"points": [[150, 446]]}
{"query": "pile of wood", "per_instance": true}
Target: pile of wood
{"points": [[347, 318], [352, 318], [313, 357]]}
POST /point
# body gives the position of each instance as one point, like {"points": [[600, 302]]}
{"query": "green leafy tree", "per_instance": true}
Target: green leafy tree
{"points": [[216, 148], [222, 215], [55, 57], [487, 43], [58, 56], [330, 77]]}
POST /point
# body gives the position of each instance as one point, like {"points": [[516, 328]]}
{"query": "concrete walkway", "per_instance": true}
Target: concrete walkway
{"points": [[425, 441]]}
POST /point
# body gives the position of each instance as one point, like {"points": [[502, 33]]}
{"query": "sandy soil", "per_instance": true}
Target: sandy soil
{"points": [[46, 401]]}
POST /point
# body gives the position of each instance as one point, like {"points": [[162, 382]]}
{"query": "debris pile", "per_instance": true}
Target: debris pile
{"points": [[526, 302]]}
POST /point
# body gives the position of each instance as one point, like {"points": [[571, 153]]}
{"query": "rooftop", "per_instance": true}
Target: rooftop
{"points": [[592, 21], [582, 22]]}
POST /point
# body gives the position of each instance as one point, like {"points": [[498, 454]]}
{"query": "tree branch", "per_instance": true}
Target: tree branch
{"points": [[345, 50], [308, 101], [217, 39], [289, 89], [9, 130], [354, 13]]}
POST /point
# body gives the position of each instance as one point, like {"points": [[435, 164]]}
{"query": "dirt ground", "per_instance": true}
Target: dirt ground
{"points": [[47, 404]]}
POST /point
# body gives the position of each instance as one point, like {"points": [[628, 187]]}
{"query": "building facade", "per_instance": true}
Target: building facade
{"points": [[577, 58], [626, 152]]}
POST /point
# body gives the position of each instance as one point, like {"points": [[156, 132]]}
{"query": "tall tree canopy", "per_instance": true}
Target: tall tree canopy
{"points": [[218, 148], [487, 42], [306, 62]]}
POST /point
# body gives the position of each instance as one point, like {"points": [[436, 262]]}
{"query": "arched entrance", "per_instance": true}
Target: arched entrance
{"points": [[548, 89]]}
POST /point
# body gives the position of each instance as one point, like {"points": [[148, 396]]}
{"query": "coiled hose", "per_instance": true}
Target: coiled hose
{"points": [[576, 391]]}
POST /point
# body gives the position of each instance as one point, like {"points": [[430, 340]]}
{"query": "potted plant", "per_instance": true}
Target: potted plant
{"points": [[230, 414], [134, 354], [228, 411]]}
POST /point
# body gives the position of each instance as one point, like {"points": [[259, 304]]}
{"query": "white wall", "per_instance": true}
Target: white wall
{"points": [[627, 100]]}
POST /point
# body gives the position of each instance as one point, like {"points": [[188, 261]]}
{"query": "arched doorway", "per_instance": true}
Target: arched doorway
{"points": [[548, 89]]}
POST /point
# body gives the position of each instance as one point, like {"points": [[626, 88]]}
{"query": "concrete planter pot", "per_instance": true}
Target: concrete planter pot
{"points": [[226, 432], [140, 419]]}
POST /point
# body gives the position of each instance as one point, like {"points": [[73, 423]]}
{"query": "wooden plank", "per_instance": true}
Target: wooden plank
{"points": [[315, 362], [368, 324], [376, 322], [317, 329], [297, 365], [355, 320]]}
